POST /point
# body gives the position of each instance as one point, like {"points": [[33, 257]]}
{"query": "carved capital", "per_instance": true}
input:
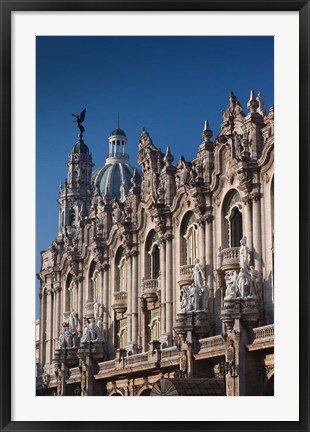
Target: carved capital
{"points": [[105, 267], [209, 218], [78, 279], [256, 196], [168, 237], [247, 199], [134, 253]]}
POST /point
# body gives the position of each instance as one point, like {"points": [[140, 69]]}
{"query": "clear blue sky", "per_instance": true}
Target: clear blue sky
{"points": [[169, 85]]}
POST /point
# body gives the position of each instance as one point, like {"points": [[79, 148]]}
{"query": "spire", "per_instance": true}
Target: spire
{"points": [[207, 133], [252, 104], [168, 157]]}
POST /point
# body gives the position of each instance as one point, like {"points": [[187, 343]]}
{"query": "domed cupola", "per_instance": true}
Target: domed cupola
{"points": [[80, 147], [114, 177]]}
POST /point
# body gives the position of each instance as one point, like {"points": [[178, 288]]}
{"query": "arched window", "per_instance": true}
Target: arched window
{"points": [[70, 296], [122, 333], [155, 328], [152, 259], [189, 240], [93, 282], [120, 270], [233, 230], [72, 217]]}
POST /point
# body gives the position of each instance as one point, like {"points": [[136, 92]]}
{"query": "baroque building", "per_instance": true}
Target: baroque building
{"points": [[160, 281]]}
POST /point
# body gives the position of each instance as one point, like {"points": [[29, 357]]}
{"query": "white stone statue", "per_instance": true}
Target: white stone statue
{"points": [[243, 283], [194, 297], [68, 338], [231, 285], [243, 253], [185, 300], [86, 333], [253, 282], [92, 330], [61, 340], [199, 278], [203, 296], [96, 310], [99, 329]]}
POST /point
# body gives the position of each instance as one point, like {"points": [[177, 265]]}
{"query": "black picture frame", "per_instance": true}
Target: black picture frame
{"points": [[6, 8]]}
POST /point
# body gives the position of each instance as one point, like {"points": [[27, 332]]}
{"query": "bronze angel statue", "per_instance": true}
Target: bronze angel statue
{"points": [[79, 120]]}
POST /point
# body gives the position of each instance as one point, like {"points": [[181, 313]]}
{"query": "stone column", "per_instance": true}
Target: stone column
{"points": [[163, 286], [129, 298], [257, 231], [57, 309], [209, 254], [169, 287], [201, 241], [105, 268], [248, 225], [49, 330], [134, 309], [79, 280], [42, 347]]}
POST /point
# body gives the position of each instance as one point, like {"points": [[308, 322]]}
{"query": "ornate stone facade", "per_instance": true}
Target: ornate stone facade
{"points": [[167, 276]]}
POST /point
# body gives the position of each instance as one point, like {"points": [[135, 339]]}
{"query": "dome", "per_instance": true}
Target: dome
{"points": [[118, 132], [114, 178], [80, 147]]}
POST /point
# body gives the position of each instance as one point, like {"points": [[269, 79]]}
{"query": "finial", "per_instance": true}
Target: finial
{"points": [[168, 157], [118, 120], [207, 133], [252, 104]]}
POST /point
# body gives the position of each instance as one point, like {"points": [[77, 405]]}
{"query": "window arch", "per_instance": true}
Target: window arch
{"points": [[233, 226], [155, 328], [123, 337], [120, 270], [70, 295], [72, 217], [152, 256], [189, 239], [93, 282]]}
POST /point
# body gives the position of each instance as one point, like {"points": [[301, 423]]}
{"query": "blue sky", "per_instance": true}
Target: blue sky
{"points": [[169, 85]]}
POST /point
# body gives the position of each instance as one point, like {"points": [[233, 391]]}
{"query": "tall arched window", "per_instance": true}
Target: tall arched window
{"points": [[70, 297], [120, 271], [93, 282], [233, 230], [152, 259], [189, 234], [72, 217]]}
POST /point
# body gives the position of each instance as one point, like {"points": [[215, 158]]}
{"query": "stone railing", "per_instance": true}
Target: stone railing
{"points": [[136, 359], [262, 333], [150, 289], [167, 353], [230, 257], [120, 295], [211, 342], [120, 301], [75, 374], [150, 285], [186, 270], [106, 366]]}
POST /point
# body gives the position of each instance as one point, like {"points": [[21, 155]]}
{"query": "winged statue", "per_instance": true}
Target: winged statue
{"points": [[79, 120]]}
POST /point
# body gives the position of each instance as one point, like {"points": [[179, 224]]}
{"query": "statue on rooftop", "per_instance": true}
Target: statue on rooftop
{"points": [[79, 120]]}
